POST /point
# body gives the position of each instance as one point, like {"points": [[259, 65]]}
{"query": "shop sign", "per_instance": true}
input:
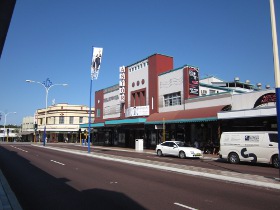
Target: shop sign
{"points": [[137, 111], [265, 99], [193, 81]]}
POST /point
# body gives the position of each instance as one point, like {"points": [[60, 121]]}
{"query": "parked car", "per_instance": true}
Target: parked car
{"points": [[254, 146], [177, 148]]}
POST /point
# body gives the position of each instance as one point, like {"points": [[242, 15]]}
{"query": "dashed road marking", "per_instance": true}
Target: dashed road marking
{"points": [[19, 149], [113, 182], [58, 162], [184, 206]]}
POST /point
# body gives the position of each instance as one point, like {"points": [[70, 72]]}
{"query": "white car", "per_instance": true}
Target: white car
{"points": [[177, 148]]}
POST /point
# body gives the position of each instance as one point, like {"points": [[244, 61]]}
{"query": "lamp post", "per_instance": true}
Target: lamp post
{"points": [[47, 85], [5, 120], [276, 72]]}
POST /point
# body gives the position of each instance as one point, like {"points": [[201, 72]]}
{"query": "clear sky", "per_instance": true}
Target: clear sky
{"points": [[54, 38]]}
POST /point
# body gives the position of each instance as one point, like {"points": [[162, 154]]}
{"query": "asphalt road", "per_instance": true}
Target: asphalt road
{"points": [[47, 179], [265, 170]]}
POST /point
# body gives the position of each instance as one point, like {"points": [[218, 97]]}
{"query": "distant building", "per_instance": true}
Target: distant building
{"points": [[10, 134], [62, 123], [27, 128]]}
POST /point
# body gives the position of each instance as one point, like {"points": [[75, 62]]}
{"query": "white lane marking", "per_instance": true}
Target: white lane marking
{"points": [[113, 182], [19, 149], [58, 162], [187, 207]]}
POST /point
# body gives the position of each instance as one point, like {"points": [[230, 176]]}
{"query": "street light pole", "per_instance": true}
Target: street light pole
{"points": [[47, 85], [5, 120], [276, 72]]}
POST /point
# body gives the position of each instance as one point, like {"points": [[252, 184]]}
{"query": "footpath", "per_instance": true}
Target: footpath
{"points": [[8, 200]]}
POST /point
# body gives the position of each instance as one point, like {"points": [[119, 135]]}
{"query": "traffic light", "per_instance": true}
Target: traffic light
{"points": [[35, 126], [8, 130]]}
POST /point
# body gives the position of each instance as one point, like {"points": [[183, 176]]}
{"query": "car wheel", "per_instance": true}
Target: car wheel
{"points": [[182, 155], [275, 161], [159, 152], [233, 158]]}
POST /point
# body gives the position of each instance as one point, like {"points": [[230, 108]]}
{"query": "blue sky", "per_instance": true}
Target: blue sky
{"points": [[53, 39]]}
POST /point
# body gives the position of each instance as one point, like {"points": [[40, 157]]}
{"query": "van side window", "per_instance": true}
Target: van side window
{"points": [[273, 137]]}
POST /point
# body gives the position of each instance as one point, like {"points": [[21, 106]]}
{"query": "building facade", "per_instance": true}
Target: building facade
{"points": [[62, 123], [155, 102], [9, 134]]}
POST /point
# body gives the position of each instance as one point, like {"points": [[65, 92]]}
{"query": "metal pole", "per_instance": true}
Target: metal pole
{"points": [[7, 137], [89, 118], [45, 127], [5, 125], [163, 130], [276, 72]]}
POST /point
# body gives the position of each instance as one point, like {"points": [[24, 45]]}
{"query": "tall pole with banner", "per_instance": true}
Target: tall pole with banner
{"points": [[276, 72], [95, 66]]}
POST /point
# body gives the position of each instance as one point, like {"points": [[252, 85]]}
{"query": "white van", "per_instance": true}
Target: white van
{"points": [[255, 146]]}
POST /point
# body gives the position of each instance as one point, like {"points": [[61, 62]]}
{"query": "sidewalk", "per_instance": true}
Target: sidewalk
{"points": [[8, 200]]}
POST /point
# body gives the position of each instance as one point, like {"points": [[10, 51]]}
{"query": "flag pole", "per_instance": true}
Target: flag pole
{"points": [[95, 65], [89, 116]]}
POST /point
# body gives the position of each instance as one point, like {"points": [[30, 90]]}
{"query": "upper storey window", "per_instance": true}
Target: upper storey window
{"points": [[172, 99]]}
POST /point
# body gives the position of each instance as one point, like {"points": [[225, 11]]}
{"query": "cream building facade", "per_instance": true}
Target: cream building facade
{"points": [[62, 122]]}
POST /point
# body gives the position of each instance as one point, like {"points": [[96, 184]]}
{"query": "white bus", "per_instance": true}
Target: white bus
{"points": [[254, 146]]}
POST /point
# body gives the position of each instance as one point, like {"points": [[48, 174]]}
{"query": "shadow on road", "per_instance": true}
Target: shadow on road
{"points": [[35, 189]]}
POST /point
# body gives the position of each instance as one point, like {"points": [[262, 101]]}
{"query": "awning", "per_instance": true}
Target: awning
{"points": [[126, 121], [93, 125], [184, 116]]}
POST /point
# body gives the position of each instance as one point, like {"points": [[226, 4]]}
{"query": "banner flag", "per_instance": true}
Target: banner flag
{"points": [[95, 62]]}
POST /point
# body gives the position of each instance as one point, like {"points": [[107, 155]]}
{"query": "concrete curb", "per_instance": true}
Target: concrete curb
{"points": [[8, 200]]}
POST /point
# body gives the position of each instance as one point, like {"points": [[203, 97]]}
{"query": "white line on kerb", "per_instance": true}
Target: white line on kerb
{"points": [[187, 207], [58, 162]]}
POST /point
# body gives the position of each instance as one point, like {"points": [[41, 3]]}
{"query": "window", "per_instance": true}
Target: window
{"points": [[81, 120], [97, 112], [212, 91], [71, 120], [203, 92], [273, 137], [172, 99], [61, 119]]}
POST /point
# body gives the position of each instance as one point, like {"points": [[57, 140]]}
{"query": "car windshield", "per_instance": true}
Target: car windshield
{"points": [[181, 144]]}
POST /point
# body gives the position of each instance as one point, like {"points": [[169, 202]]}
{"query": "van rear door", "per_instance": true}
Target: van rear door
{"points": [[268, 147]]}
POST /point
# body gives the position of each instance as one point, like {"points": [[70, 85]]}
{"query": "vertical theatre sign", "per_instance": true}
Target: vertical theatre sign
{"points": [[122, 84], [193, 81]]}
